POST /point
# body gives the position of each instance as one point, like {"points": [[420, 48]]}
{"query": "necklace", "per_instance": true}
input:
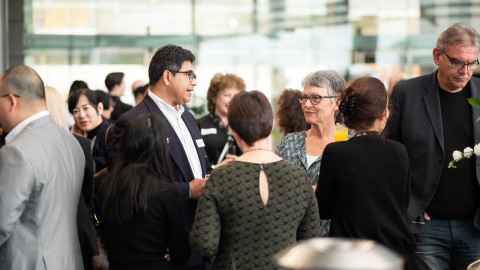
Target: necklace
{"points": [[257, 149], [365, 133]]}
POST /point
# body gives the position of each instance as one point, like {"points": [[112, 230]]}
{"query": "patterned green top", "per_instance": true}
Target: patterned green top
{"points": [[235, 230]]}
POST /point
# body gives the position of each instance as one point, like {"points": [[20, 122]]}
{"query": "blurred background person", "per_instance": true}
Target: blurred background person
{"points": [[142, 213], [364, 183], [116, 88], [257, 205], [77, 85], [86, 229], [105, 99], [214, 125], [290, 114], [139, 93], [87, 107]]}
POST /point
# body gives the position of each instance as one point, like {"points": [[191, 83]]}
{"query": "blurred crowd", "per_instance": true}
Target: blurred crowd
{"points": [[90, 182]]}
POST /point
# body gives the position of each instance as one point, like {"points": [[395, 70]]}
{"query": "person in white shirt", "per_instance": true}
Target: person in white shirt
{"points": [[172, 81]]}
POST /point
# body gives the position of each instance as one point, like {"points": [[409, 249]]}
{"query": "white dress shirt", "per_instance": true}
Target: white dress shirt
{"points": [[20, 126], [174, 117]]}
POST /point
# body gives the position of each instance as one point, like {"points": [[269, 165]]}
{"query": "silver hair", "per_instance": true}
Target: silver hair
{"points": [[328, 79], [458, 34]]}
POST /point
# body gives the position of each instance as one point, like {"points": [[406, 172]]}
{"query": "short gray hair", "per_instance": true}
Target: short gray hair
{"points": [[458, 34], [24, 81], [328, 79]]}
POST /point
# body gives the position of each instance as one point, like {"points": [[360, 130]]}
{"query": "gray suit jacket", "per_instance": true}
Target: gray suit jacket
{"points": [[41, 174], [416, 121]]}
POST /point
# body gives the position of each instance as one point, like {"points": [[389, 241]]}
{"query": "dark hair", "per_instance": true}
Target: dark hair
{"points": [[112, 79], [138, 167], [24, 81], [290, 114], [92, 97], [363, 102], [76, 85], [140, 91], [169, 57], [104, 98], [219, 83], [250, 116]]}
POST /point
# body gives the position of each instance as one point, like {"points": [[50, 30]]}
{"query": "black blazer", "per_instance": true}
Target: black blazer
{"points": [[416, 121]]}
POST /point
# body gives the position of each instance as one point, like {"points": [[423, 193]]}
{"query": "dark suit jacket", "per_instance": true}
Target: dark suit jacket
{"points": [[416, 121], [183, 172]]}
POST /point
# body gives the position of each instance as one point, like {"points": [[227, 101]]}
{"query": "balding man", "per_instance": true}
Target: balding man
{"points": [[41, 171]]}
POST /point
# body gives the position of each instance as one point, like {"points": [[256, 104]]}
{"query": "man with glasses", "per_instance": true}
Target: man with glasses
{"points": [[172, 81], [432, 118], [41, 174]]}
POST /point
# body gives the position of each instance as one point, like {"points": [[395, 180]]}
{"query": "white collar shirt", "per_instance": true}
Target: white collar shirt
{"points": [[22, 125], [174, 117]]}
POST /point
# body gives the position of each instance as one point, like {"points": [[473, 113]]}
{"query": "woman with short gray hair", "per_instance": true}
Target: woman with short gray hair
{"points": [[321, 90]]}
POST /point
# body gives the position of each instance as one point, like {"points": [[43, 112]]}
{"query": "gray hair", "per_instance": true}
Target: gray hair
{"points": [[458, 34], [22, 80], [328, 79]]}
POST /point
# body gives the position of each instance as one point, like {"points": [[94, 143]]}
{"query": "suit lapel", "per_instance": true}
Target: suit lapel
{"points": [[432, 104], [174, 146]]}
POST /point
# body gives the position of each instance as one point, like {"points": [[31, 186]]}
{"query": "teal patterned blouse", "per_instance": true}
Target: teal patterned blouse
{"points": [[292, 148]]}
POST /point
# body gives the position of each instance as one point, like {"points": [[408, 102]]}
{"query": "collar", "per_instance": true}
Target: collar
{"points": [[22, 125], [164, 106]]}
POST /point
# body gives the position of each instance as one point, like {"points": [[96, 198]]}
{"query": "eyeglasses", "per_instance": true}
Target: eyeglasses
{"points": [[458, 64], [314, 99], [190, 74]]}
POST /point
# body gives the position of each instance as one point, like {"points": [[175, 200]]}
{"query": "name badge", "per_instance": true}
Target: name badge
{"points": [[200, 143], [208, 131]]}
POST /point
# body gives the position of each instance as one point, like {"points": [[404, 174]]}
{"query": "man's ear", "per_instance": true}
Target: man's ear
{"points": [[100, 108], [436, 55], [14, 103], [167, 76]]}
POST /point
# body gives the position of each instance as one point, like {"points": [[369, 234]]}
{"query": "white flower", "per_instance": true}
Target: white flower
{"points": [[468, 152], [457, 155], [476, 149]]}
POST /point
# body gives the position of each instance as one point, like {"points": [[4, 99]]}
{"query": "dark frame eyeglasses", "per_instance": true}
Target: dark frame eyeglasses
{"points": [[10, 94], [190, 74], [314, 99], [458, 64]]}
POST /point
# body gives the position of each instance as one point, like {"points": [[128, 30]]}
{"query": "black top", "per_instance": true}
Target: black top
{"points": [[119, 108], [363, 188], [215, 137], [145, 240], [456, 196], [100, 149], [87, 234]]}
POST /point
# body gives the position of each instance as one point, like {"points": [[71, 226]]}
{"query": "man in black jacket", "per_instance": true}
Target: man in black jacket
{"points": [[432, 118], [116, 88]]}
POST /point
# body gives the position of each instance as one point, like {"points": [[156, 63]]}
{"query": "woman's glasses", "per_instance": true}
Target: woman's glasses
{"points": [[314, 99]]}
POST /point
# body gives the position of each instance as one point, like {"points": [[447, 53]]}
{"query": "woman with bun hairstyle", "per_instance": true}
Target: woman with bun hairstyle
{"points": [[363, 185]]}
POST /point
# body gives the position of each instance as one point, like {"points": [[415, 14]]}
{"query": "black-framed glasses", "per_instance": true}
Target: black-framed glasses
{"points": [[190, 74], [314, 99], [458, 64]]}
